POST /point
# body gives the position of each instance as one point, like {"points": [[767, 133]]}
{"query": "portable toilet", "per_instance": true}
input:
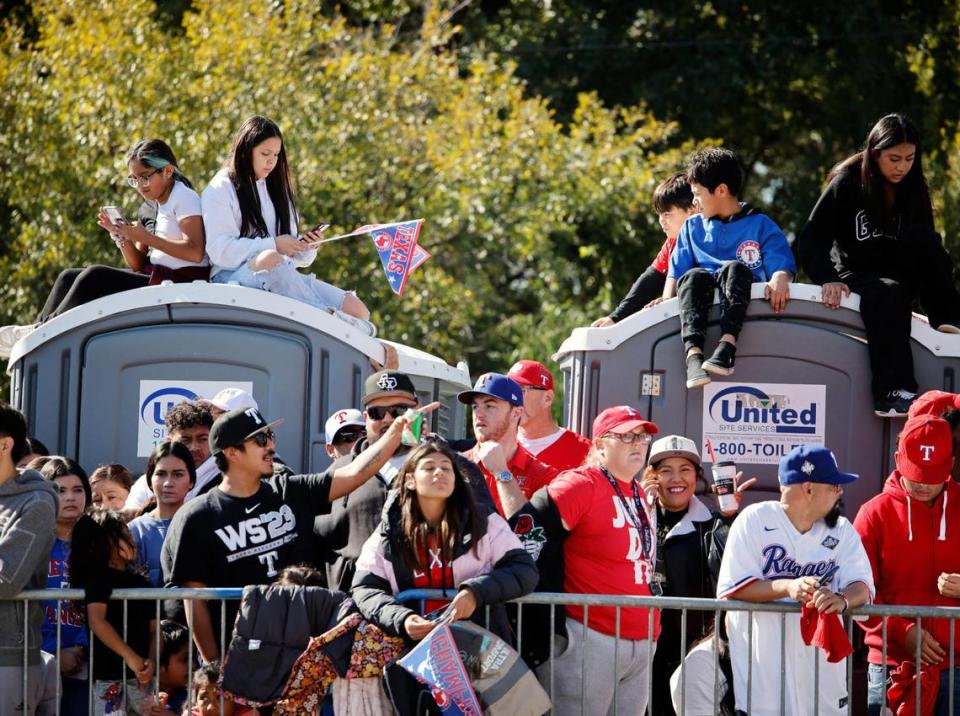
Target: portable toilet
{"points": [[96, 382], [802, 376]]}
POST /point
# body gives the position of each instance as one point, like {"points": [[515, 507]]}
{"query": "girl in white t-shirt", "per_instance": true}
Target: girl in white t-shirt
{"points": [[174, 250], [251, 219]]}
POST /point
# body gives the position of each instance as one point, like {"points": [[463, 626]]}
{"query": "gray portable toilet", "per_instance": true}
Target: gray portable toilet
{"points": [[96, 382], [802, 376]]}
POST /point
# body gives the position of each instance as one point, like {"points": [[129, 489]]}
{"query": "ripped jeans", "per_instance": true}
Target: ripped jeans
{"points": [[285, 280]]}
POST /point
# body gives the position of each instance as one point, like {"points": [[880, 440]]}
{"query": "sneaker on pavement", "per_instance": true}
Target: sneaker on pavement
{"points": [[9, 335], [894, 404], [696, 375], [721, 362]]}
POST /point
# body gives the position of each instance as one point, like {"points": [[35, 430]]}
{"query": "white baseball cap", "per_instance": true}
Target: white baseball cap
{"points": [[342, 419], [234, 399], [673, 446]]}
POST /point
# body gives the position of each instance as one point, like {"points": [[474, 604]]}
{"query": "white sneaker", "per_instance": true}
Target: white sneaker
{"points": [[9, 335], [363, 326]]}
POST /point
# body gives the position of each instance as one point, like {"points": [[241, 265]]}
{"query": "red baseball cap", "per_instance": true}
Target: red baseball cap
{"points": [[532, 374], [934, 402], [621, 419], [925, 450]]}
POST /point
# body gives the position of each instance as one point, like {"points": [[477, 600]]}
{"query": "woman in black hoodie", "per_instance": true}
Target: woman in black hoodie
{"points": [[871, 232]]}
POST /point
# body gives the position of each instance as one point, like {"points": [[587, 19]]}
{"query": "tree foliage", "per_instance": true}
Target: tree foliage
{"points": [[531, 221]]}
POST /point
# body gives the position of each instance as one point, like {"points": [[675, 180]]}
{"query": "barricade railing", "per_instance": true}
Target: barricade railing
{"points": [[917, 614]]}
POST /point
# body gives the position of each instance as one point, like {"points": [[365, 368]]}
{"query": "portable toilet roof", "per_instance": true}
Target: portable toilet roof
{"points": [[802, 376], [96, 381]]}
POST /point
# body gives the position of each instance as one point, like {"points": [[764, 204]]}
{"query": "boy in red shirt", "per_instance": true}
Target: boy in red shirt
{"points": [[673, 202]]}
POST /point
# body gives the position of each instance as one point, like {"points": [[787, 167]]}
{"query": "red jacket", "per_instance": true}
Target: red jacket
{"points": [[909, 545]]}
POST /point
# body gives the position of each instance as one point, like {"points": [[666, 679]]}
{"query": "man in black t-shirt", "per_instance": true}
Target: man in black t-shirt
{"points": [[251, 525]]}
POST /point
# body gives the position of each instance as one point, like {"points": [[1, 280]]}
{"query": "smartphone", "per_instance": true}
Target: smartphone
{"points": [[322, 226], [114, 214]]}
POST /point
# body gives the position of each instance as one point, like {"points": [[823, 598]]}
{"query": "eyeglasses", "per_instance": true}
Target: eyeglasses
{"points": [[267, 436], [348, 436], [379, 412], [525, 388], [141, 180], [628, 438]]}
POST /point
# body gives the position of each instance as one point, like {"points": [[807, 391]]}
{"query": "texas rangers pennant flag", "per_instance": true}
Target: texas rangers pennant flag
{"points": [[436, 663], [399, 251]]}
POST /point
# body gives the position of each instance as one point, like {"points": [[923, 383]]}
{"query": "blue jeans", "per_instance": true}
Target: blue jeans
{"points": [[285, 280], [877, 690]]}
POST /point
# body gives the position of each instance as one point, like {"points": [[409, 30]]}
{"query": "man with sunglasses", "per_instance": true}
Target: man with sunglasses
{"points": [[253, 524], [539, 433], [343, 430], [387, 396]]}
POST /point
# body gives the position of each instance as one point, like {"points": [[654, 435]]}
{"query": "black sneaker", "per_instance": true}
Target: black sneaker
{"points": [[721, 362], [696, 375], [894, 404]]}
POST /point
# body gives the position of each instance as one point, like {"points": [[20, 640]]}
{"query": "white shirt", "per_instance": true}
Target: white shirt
{"points": [[698, 682], [764, 544], [182, 203], [538, 445], [222, 221]]}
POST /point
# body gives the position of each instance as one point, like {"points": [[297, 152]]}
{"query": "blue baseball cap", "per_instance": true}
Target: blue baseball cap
{"points": [[806, 463], [495, 385]]}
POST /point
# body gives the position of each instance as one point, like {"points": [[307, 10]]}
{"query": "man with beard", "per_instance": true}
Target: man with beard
{"points": [[497, 405], [252, 525], [911, 531], [798, 549], [387, 396], [539, 433]]}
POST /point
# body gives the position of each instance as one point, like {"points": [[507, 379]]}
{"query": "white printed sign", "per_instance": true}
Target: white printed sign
{"points": [[759, 423], [158, 396]]}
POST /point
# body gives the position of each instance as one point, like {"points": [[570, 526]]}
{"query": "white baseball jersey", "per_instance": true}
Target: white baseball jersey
{"points": [[764, 544]]}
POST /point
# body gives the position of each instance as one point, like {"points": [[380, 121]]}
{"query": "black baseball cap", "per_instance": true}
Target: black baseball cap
{"points": [[233, 428], [388, 384]]}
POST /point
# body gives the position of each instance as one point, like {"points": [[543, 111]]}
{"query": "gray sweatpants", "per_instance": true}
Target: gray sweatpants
{"points": [[39, 702], [585, 672]]}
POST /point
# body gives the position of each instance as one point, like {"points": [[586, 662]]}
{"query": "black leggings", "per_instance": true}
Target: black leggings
{"points": [[77, 286], [695, 293], [648, 286]]}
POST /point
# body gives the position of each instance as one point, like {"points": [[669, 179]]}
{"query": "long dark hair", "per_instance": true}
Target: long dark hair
{"points": [[166, 449], [252, 132], [459, 517], [913, 196], [157, 153], [96, 536], [56, 466]]}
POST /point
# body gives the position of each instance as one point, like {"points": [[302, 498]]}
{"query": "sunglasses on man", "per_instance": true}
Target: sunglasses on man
{"points": [[379, 412], [349, 435], [261, 439]]}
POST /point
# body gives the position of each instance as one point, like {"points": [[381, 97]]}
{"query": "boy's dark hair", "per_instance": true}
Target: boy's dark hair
{"points": [[14, 425], [35, 447], [173, 638], [57, 466], [188, 414], [674, 191], [206, 674], [301, 575], [712, 167]]}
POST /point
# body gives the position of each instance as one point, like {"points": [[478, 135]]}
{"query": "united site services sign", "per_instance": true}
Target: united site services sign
{"points": [[759, 423], [158, 396]]}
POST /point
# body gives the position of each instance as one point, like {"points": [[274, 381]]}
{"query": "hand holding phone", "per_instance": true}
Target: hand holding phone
{"points": [[322, 226], [114, 214]]}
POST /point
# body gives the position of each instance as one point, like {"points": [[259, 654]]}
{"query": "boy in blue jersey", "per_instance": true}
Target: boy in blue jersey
{"points": [[727, 246]]}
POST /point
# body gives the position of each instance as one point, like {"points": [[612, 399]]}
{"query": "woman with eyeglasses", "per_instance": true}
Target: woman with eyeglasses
{"points": [[600, 523], [250, 214], [166, 243]]}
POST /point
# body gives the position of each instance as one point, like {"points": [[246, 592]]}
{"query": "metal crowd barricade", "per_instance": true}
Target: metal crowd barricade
{"points": [[717, 607]]}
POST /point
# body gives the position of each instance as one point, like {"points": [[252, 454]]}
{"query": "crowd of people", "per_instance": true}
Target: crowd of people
{"points": [[524, 505]]}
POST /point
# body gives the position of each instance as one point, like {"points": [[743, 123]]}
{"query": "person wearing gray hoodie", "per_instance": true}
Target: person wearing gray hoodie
{"points": [[28, 512]]}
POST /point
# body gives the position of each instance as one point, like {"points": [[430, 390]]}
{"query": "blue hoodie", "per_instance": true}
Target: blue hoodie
{"points": [[748, 236]]}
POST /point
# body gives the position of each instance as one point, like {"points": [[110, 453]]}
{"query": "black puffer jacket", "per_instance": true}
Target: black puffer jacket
{"points": [[497, 571]]}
